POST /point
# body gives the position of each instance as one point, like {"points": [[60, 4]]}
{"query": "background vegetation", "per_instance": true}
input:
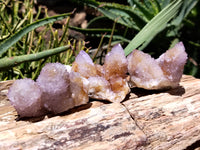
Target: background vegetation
{"points": [[29, 38]]}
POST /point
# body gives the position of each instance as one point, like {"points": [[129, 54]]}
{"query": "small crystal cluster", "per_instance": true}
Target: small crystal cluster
{"points": [[54, 84], [162, 73], [25, 96], [56, 90], [60, 87], [106, 82]]}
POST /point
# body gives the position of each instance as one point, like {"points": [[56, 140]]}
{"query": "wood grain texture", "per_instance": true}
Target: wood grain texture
{"points": [[93, 126], [145, 120], [169, 119]]}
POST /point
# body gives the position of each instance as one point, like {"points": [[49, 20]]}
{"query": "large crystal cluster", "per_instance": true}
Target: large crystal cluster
{"points": [[162, 73], [60, 88], [107, 82]]}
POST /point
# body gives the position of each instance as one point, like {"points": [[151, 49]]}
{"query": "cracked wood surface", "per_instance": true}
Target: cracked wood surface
{"points": [[146, 120]]}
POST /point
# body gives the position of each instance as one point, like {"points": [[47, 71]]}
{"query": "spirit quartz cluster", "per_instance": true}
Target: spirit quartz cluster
{"points": [[162, 73], [56, 90], [106, 82], [60, 87]]}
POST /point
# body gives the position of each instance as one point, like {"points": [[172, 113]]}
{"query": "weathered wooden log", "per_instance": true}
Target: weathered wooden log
{"points": [[145, 120]]}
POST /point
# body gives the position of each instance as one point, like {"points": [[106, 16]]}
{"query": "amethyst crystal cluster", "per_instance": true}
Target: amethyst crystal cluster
{"points": [[60, 88], [25, 96], [56, 90]]}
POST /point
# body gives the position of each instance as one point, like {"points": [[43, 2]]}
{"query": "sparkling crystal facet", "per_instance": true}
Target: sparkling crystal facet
{"points": [[25, 96], [162, 73], [106, 82]]}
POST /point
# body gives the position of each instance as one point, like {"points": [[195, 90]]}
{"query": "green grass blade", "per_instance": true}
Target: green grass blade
{"points": [[158, 5], [97, 32], [6, 63], [126, 13], [115, 37], [111, 13], [124, 20], [5, 45], [157, 24], [91, 30], [146, 12], [163, 3], [187, 6], [95, 19]]}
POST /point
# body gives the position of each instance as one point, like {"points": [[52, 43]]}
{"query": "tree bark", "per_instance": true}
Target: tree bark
{"points": [[145, 120]]}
